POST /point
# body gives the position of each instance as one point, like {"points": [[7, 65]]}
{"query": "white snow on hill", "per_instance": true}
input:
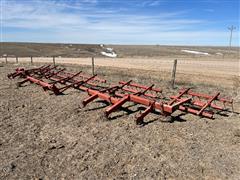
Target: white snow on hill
{"points": [[195, 52], [109, 49], [219, 54], [109, 54]]}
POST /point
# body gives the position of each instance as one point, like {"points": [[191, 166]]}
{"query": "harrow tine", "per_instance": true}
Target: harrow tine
{"points": [[141, 86], [180, 102], [118, 104], [65, 79], [22, 82], [76, 84], [40, 70], [139, 119], [89, 99], [177, 97], [46, 71], [83, 76], [208, 103], [54, 73], [135, 91], [143, 92], [113, 89]]}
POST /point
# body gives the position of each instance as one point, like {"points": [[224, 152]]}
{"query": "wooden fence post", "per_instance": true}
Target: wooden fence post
{"points": [[93, 73], [54, 60], [16, 59], [31, 60], [6, 59], [174, 73]]}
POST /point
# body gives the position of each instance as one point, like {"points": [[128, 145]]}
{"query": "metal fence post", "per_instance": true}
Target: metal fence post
{"points": [[174, 73], [54, 60], [93, 73]]}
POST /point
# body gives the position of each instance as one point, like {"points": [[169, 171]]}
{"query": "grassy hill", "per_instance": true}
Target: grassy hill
{"points": [[88, 50]]}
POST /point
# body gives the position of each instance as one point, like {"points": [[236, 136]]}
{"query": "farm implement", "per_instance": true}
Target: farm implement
{"points": [[58, 80]]}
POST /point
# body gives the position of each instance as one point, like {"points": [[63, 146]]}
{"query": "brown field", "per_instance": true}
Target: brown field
{"points": [[123, 51], [44, 136], [215, 70], [209, 71]]}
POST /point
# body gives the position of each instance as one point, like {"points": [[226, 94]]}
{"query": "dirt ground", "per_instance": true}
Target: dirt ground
{"points": [[45, 136]]}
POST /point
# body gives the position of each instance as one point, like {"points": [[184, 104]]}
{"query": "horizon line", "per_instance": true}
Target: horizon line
{"points": [[130, 44]]}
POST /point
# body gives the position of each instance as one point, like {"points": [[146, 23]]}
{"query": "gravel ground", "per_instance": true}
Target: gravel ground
{"points": [[45, 136]]}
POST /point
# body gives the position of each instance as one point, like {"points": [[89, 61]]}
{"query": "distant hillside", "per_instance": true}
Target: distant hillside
{"points": [[42, 49], [88, 50]]}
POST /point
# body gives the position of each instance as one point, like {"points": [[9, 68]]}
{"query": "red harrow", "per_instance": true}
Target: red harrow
{"points": [[59, 80]]}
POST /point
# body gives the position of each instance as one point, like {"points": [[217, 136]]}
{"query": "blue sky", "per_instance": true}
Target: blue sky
{"points": [[166, 22]]}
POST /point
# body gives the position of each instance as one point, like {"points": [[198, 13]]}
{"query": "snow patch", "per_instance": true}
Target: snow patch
{"points": [[195, 52], [109, 54], [219, 54], [109, 49]]}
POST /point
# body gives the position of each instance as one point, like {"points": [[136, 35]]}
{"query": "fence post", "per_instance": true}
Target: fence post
{"points": [[6, 59], [93, 73], [16, 59], [174, 73], [31, 60], [54, 60]]}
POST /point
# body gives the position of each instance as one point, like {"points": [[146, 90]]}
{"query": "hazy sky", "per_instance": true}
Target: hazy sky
{"points": [[169, 22]]}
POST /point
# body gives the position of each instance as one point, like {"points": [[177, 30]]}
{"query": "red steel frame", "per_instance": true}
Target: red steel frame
{"points": [[117, 95]]}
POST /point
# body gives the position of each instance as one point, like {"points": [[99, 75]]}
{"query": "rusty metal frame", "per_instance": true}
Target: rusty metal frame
{"points": [[59, 80]]}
